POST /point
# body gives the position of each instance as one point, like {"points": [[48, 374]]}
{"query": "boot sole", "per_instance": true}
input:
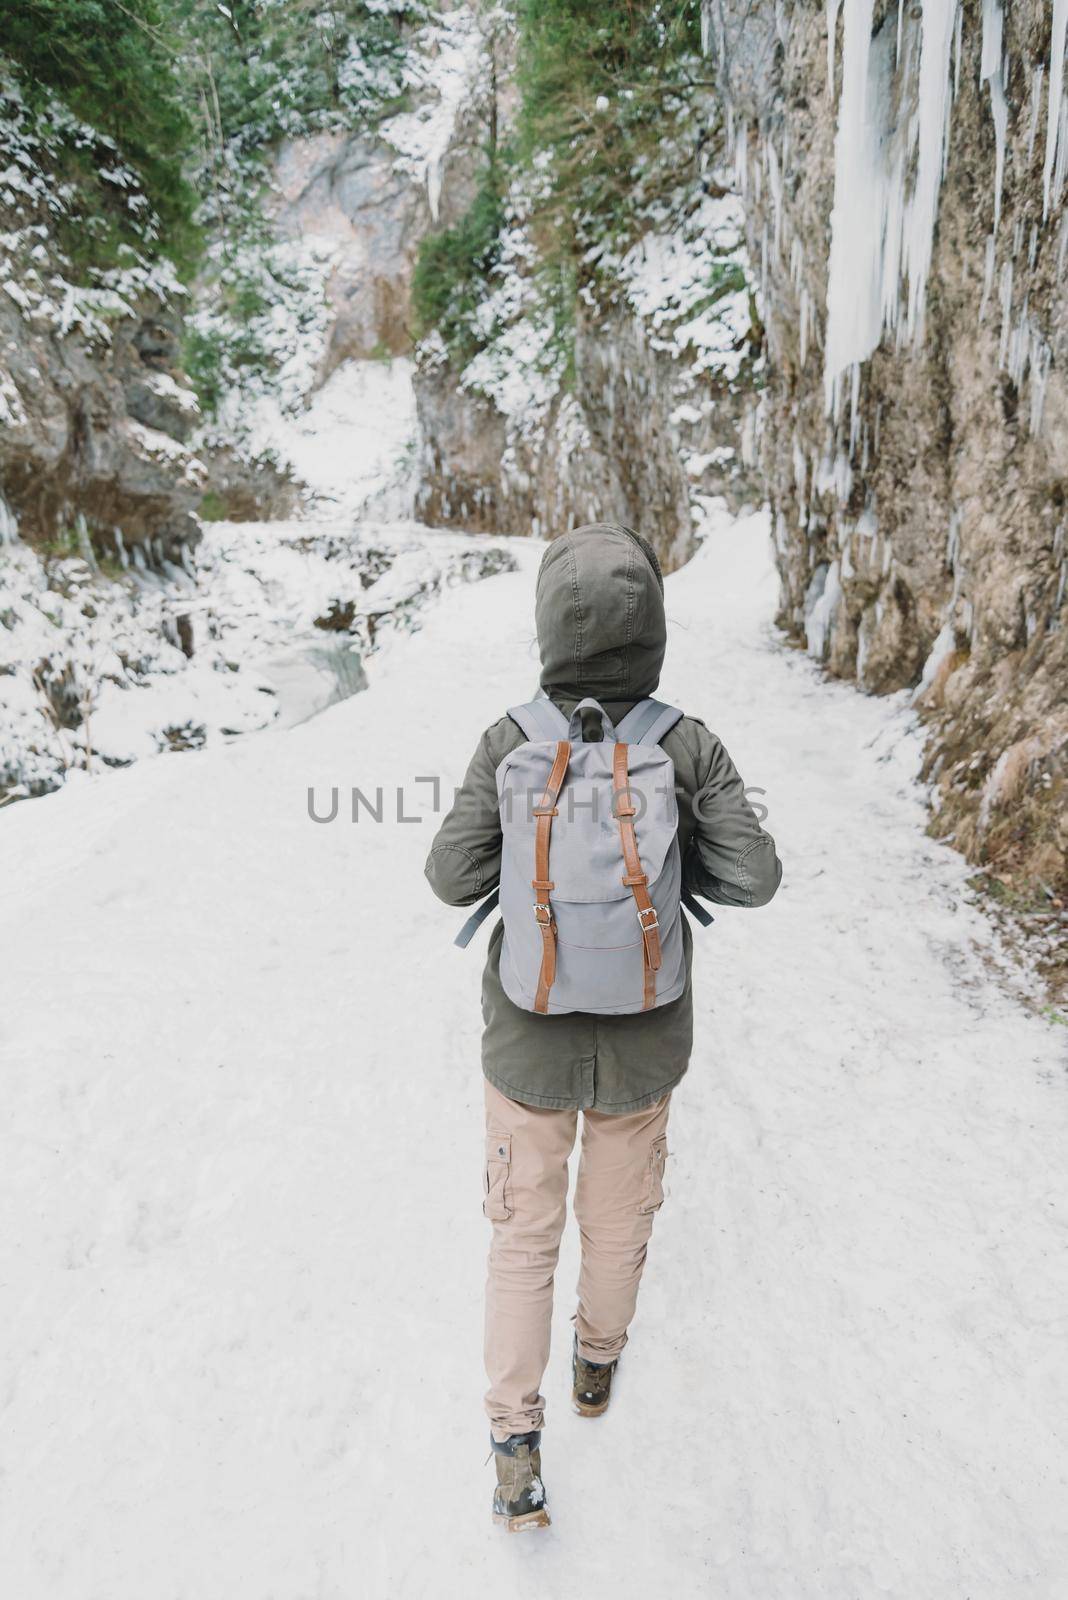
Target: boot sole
{"points": [[589, 1411], [529, 1520]]}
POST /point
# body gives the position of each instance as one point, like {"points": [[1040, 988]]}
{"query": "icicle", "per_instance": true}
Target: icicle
{"points": [[741, 161], [993, 29], [854, 321], [706, 27], [799, 468], [854, 407], [833, 7], [1053, 110], [953, 541], [991, 72], [797, 263], [938, 27], [882, 229], [956, 54], [1062, 156], [771, 161], [1041, 359], [9, 526], [1006, 312], [988, 276]]}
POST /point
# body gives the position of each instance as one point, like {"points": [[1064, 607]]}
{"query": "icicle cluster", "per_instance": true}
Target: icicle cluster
{"points": [[892, 142], [898, 79]]}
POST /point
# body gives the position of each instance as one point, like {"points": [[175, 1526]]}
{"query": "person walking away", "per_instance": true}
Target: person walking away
{"points": [[586, 994]]}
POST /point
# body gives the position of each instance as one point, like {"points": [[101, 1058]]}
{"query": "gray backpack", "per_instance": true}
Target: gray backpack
{"points": [[591, 878]]}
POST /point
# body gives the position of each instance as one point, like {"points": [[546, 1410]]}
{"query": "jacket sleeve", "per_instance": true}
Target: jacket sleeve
{"points": [[730, 860], [465, 859]]}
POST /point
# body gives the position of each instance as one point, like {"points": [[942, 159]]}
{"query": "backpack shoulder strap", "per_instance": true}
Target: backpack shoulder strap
{"points": [[476, 919], [540, 719], [647, 722]]}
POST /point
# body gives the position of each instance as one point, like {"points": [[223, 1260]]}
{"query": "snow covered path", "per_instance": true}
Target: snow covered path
{"points": [[242, 1255]]}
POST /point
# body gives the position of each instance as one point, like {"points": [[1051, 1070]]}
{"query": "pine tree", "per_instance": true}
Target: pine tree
{"points": [[116, 68]]}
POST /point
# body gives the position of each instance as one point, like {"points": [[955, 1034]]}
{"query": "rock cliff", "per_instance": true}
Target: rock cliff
{"points": [[95, 413], [902, 169], [643, 416]]}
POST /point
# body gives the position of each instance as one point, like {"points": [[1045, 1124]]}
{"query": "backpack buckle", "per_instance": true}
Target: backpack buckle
{"points": [[539, 907], [649, 911]]}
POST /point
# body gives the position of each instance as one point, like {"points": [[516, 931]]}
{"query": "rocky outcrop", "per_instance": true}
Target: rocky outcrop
{"points": [[371, 198], [246, 488], [94, 432], [94, 412], [903, 183], [347, 190], [604, 450]]}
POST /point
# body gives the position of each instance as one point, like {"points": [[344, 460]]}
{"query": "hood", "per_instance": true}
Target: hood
{"points": [[599, 609]]}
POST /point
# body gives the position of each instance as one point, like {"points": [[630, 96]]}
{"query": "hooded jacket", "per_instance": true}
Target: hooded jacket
{"points": [[602, 632]]}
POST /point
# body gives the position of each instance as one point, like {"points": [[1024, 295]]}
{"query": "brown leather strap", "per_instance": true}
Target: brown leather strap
{"points": [[635, 878], [541, 883]]}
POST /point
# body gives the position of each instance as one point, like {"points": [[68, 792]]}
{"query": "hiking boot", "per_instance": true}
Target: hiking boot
{"points": [[519, 1498], [592, 1384]]}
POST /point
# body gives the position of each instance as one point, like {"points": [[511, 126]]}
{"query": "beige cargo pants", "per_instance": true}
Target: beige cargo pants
{"points": [[617, 1194]]}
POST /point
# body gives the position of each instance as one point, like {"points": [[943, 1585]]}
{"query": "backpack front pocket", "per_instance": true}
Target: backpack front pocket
{"points": [[497, 1204]]}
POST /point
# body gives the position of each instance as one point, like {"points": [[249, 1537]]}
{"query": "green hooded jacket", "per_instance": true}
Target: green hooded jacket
{"points": [[602, 632]]}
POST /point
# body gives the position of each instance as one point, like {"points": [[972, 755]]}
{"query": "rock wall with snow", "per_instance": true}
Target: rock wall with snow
{"points": [[614, 384], [648, 420], [606, 449], [128, 627], [370, 197], [903, 167], [95, 416]]}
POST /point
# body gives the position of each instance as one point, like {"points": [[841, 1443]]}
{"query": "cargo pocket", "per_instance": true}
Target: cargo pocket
{"points": [[495, 1183], [652, 1196]]}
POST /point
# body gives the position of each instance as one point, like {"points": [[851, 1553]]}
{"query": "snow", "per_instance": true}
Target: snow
{"points": [[154, 445], [685, 280], [36, 197], [521, 366], [288, 278], [163, 384], [244, 1251], [670, 282], [354, 443], [450, 61], [1054, 114], [257, 598]]}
